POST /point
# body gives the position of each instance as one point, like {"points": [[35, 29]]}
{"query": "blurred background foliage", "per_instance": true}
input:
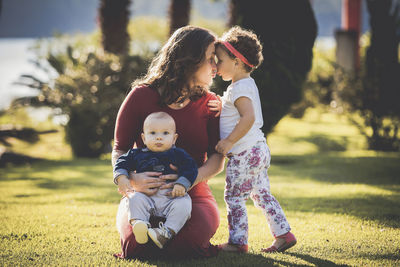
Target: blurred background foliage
{"points": [[89, 88], [368, 97], [86, 84]]}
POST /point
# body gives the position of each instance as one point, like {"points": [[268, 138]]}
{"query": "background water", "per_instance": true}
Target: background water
{"points": [[14, 61]]}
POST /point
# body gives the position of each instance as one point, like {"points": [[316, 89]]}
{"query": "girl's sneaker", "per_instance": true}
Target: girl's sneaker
{"points": [[140, 229], [161, 235], [281, 243]]}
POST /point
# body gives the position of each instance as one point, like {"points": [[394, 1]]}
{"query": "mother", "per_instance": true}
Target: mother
{"points": [[177, 82]]}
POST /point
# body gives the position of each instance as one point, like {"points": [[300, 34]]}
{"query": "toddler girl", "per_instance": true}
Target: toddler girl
{"points": [[239, 52]]}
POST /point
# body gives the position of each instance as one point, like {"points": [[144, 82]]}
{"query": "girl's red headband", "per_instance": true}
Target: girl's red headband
{"points": [[237, 54]]}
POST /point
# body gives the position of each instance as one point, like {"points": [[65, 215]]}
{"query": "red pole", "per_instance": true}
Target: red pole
{"points": [[351, 20]]}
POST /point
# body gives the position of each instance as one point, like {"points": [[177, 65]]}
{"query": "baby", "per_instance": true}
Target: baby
{"points": [[159, 136]]}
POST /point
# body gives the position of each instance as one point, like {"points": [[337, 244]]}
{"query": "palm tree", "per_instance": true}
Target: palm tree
{"points": [[114, 18], [179, 14], [287, 29]]}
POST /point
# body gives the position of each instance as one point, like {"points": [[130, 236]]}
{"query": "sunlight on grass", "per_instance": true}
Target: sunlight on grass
{"points": [[316, 132], [50, 146]]}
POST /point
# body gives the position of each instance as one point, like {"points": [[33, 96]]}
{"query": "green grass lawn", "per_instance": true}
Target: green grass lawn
{"points": [[342, 201]]}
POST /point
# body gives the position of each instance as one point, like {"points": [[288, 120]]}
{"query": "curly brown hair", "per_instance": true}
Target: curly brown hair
{"points": [[173, 68], [246, 42]]}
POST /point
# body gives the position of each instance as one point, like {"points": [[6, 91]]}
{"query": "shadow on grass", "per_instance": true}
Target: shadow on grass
{"points": [[315, 261], [325, 143], [84, 173], [231, 259], [380, 172], [67, 177], [96, 176], [27, 195], [223, 259], [335, 169], [394, 256], [382, 210]]}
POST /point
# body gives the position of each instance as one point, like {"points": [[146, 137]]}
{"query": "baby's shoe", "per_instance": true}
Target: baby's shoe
{"points": [[140, 229], [233, 248], [281, 243], [161, 235]]}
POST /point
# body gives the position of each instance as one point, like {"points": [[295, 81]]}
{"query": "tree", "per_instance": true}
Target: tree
{"points": [[374, 95], [114, 18], [382, 82], [179, 14], [89, 89], [287, 29]]}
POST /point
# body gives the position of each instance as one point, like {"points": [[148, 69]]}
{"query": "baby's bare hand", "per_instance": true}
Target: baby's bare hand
{"points": [[178, 191]]}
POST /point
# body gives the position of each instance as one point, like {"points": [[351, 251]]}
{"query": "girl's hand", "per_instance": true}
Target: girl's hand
{"points": [[215, 105], [146, 182], [224, 146], [124, 185], [178, 191]]}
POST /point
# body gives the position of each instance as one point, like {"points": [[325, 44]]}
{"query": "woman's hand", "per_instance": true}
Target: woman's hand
{"points": [[169, 177], [223, 146], [146, 182], [215, 105], [124, 185]]}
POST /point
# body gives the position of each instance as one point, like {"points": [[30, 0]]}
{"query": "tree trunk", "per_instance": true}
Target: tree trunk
{"points": [[287, 29], [114, 19], [381, 83], [179, 14], [382, 56]]}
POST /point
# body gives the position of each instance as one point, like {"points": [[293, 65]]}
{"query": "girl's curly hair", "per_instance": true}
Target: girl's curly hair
{"points": [[173, 68]]}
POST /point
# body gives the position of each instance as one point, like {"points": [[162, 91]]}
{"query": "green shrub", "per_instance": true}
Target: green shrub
{"points": [[373, 92], [89, 87], [368, 99], [318, 89]]}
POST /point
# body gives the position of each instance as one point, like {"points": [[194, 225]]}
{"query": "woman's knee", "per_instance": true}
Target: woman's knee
{"points": [[205, 215]]}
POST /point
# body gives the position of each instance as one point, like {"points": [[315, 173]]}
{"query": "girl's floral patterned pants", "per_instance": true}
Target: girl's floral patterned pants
{"points": [[246, 176]]}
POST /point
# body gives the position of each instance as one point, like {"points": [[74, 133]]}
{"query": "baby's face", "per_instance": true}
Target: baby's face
{"points": [[159, 134]]}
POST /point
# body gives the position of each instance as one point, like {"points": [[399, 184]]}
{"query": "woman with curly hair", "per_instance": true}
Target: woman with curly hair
{"points": [[177, 83]]}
